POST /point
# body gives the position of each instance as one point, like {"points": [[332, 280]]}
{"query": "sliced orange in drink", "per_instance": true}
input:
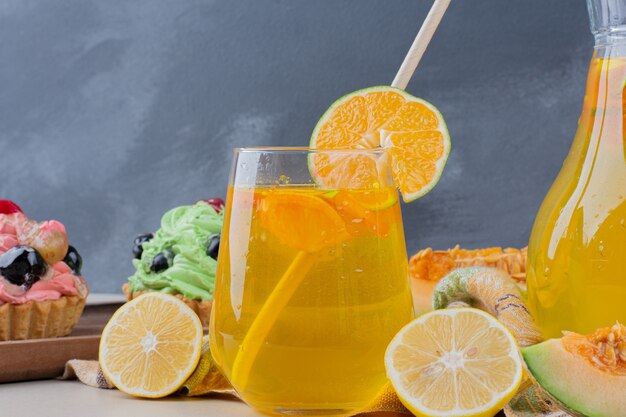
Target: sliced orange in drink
{"points": [[376, 199], [361, 211], [411, 132], [304, 221], [300, 220], [151, 345]]}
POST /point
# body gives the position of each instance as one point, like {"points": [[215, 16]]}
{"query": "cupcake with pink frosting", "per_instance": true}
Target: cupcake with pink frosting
{"points": [[42, 293]]}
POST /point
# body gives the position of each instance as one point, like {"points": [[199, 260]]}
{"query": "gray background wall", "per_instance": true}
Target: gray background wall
{"points": [[112, 112]]}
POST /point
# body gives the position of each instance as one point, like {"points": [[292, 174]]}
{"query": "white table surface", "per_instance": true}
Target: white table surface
{"points": [[53, 398]]}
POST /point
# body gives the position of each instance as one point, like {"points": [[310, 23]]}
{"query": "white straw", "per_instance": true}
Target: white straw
{"points": [[420, 43]]}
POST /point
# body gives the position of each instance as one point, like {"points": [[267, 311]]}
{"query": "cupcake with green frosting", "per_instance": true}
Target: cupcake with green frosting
{"points": [[181, 257]]}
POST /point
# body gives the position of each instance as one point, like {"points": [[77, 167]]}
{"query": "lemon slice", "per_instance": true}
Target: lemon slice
{"points": [[411, 131], [455, 362], [151, 345]]}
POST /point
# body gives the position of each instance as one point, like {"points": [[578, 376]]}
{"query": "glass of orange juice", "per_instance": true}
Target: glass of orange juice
{"points": [[312, 283]]}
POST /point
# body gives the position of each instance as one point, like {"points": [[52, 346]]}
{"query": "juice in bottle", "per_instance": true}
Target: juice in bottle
{"points": [[577, 251], [324, 338]]}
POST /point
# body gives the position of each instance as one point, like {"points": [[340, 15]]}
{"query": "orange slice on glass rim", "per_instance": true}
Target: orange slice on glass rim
{"points": [[410, 132]]}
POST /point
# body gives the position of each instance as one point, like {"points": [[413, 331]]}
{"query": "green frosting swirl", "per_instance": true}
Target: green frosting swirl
{"points": [[183, 237]]}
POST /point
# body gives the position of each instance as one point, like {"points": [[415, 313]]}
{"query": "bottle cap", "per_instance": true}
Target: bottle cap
{"points": [[607, 17]]}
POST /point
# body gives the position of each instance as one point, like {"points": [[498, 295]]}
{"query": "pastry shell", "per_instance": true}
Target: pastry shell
{"points": [[40, 319]]}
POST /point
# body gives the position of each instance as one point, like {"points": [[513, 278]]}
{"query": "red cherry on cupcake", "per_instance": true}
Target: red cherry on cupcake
{"points": [[9, 207], [215, 202]]}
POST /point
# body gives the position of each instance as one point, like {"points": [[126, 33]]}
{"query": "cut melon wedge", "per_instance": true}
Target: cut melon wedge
{"points": [[583, 384]]}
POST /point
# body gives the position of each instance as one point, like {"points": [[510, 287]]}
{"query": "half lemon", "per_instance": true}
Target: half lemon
{"points": [[455, 362], [151, 345]]}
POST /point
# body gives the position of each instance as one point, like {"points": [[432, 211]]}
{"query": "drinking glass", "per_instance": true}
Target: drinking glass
{"points": [[312, 281]]}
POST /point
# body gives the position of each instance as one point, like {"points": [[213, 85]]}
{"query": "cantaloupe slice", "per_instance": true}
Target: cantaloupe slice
{"points": [[585, 373]]}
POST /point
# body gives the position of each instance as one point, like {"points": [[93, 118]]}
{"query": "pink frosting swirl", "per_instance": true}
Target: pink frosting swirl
{"points": [[10, 223], [7, 241], [58, 281]]}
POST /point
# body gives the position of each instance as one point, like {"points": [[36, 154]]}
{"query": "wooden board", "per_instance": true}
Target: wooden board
{"points": [[23, 360]]}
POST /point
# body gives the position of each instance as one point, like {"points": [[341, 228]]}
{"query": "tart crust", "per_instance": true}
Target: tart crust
{"points": [[40, 319]]}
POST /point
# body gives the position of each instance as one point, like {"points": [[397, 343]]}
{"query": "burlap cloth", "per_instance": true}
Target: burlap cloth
{"points": [[489, 289]]}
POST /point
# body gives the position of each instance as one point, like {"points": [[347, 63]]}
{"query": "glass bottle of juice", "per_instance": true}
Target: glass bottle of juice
{"points": [[577, 250]]}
